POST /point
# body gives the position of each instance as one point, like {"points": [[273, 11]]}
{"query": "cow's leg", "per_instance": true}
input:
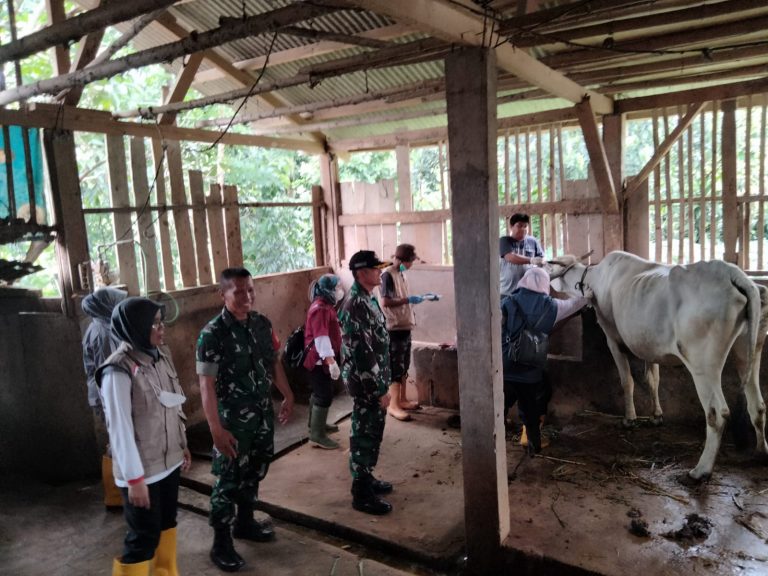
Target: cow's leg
{"points": [[710, 392], [652, 376], [627, 383]]}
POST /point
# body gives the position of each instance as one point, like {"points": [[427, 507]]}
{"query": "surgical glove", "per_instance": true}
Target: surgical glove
{"points": [[415, 299], [431, 296], [334, 371], [537, 261]]}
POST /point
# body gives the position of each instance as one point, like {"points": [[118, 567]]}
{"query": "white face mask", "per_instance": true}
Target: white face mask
{"points": [[338, 294], [171, 399]]}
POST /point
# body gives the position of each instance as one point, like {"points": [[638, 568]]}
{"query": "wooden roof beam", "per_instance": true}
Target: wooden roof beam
{"points": [[56, 15], [597, 156], [68, 118], [78, 26], [706, 35], [181, 86], [736, 9], [229, 31], [307, 51], [457, 26]]}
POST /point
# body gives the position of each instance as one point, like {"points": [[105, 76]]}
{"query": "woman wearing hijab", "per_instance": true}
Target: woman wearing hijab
{"points": [[322, 341], [142, 403], [98, 344], [530, 305]]}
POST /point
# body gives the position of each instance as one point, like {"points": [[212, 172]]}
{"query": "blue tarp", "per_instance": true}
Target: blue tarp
{"points": [[20, 188]]}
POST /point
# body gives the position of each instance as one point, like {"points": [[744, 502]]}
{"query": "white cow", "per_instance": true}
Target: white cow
{"points": [[693, 314]]}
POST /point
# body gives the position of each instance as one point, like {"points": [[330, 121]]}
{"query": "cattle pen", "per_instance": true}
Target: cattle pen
{"points": [[150, 145]]}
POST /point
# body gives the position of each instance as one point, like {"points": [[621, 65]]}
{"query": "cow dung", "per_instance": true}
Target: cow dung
{"points": [[695, 527]]}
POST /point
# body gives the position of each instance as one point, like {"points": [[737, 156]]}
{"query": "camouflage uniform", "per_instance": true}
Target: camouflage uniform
{"points": [[366, 374], [241, 356]]}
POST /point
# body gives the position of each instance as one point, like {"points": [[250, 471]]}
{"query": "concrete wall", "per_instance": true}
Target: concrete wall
{"points": [[46, 425]]}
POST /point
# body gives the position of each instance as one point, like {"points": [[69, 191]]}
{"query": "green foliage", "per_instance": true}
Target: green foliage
{"points": [[368, 167]]}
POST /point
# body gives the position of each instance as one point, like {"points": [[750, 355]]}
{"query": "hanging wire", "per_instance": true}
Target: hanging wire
{"points": [[244, 100]]}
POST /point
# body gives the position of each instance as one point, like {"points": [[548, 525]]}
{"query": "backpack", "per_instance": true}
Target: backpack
{"points": [[529, 347], [295, 352]]}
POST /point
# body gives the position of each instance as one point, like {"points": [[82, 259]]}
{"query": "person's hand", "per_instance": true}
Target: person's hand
{"points": [[333, 370], [286, 409], [384, 401], [415, 299], [589, 294], [537, 261], [187, 462], [138, 494], [225, 442]]}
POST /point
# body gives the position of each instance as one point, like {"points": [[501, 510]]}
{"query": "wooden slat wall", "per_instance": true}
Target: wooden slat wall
{"points": [[185, 243], [213, 203], [365, 198], [145, 223], [123, 225], [163, 226], [201, 229], [232, 222]]}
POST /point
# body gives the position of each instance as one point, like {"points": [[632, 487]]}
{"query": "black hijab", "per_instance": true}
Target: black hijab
{"points": [[132, 321]]}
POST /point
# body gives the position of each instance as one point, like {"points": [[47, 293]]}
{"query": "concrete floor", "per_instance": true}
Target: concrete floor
{"points": [[571, 509], [65, 531]]}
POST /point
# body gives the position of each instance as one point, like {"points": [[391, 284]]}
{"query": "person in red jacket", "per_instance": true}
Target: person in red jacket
{"points": [[322, 340]]}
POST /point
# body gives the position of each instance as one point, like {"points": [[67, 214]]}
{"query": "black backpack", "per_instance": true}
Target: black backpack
{"points": [[295, 352]]}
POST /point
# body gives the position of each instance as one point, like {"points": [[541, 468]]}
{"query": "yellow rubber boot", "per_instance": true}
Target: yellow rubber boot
{"points": [[524, 436], [165, 555], [394, 409], [120, 569], [112, 495]]}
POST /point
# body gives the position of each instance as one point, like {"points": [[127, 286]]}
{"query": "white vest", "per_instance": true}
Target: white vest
{"points": [[399, 317]]}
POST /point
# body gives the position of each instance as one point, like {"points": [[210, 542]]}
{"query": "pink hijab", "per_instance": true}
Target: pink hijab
{"points": [[536, 280]]}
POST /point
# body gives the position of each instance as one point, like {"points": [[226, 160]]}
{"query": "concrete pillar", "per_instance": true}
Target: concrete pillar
{"points": [[471, 96]]}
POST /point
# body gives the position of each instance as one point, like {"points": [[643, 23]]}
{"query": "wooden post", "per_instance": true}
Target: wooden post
{"points": [[200, 227], [637, 232], [471, 97], [730, 212], [122, 221], [72, 238], [329, 180], [614, 128], [317, 225]]}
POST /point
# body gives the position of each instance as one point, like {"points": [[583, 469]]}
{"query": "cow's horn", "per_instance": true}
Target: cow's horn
{"points": [[587, 255]]}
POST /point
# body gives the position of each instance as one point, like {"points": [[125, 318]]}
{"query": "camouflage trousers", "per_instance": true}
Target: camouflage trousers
{"points": [[365, 438], [399, 353], [238, 478]]}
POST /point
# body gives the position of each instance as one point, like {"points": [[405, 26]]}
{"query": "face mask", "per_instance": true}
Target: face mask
{"points": [[338, 294], [171, 399], [403, 268]]}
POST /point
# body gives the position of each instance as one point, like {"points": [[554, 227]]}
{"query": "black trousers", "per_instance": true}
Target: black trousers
{"points": [[144, 526], [539, 393], [322, 386]]}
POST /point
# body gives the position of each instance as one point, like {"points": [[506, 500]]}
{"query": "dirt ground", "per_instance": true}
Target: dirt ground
{"points": [[610, 500]]}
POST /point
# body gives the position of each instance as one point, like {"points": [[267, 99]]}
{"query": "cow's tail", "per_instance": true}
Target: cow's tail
{"points": [[749, 289]]}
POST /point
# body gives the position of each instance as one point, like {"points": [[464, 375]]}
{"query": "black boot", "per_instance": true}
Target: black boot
{"points": [[223, 552], [249, 529], [381, 486], [365, 500]]}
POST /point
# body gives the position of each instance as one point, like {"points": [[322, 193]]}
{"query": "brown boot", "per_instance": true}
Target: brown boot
{"points": [[394, 409]]}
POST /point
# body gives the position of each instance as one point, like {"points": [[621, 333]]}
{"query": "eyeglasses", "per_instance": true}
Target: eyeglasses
{"points": [[157, 325]]}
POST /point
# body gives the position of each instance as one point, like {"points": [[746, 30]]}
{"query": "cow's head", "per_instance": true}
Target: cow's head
{"points": [[566, 273]]}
